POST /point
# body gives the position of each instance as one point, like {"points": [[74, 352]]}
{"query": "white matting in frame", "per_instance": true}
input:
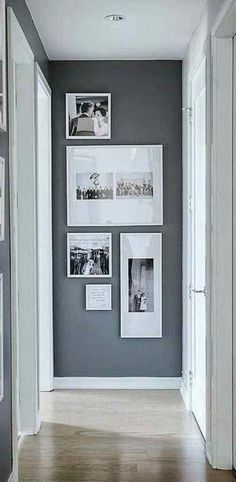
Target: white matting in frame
{"points": [[141, 285], [114, 185], [89, 255], [98, 297]]}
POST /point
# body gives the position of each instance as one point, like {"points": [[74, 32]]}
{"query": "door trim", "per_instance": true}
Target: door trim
{"points": [[31, 397], [220, 331], [48, 332]]}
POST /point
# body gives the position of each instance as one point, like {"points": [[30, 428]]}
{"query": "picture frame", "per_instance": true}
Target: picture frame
{"points": [[3, 99], [1, 340], [89, 255], [141, 285], [2, 198], [88, 116], [98, 297], [114, 185]]}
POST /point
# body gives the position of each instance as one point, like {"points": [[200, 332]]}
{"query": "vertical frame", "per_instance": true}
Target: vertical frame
{"points": [[141, 277]]}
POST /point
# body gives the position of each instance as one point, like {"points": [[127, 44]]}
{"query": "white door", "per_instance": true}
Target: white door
{"points": [[21, 77], [199, 246], [44, 230]]}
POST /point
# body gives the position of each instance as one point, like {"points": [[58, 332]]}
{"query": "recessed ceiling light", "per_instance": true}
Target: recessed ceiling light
{"points": [[115, 18]]}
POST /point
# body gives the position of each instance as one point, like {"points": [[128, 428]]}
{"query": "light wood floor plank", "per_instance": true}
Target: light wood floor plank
{"points": [[116, 436]]}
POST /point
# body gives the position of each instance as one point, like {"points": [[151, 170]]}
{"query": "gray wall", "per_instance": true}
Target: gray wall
{"points": [[146, 109], [26, 22]]}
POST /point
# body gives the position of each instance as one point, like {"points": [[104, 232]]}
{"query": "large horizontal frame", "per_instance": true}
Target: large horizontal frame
{"points": [[113, 146]]}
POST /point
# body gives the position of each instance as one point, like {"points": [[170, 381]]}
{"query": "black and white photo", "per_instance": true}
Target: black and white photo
{"points": [[134, 185], [125, 183], [141, 285], [94, 186], [88, 116], [89, 255]]}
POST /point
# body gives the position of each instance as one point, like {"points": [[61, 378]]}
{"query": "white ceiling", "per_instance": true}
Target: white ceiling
{"points": [[154, 29]]}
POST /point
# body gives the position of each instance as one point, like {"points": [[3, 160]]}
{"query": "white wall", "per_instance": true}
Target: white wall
{"points": [[199, 44]]}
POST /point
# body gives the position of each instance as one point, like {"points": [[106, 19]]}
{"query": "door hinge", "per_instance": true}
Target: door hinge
{"points": [[190, 291], [190, 204], [189, 111], [190, 378]]}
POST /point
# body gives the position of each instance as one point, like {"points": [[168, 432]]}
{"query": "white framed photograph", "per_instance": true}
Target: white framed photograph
{"points": [[98, 297], [89, 255], [1, 339], [88, 116], [114, 185], [3, 100], [141, 285], [2, 198]]}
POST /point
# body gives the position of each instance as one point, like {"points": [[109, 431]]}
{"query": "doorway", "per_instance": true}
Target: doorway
{"points": [[198, 245], [31, 233], [23, 229]]}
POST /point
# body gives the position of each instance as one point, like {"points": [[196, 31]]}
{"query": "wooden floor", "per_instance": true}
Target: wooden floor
{"points": [[116, 436]]}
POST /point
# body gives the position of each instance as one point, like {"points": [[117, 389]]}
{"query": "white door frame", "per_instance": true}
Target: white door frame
{"points": [[46, 369], [25, 415], [220, 330]]}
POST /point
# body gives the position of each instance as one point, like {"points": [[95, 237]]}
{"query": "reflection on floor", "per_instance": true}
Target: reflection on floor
{"points": [[116, 436]]}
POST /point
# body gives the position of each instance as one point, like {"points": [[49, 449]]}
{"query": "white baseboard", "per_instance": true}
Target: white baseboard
{"points": [[35, 429], [185, 394], [117, 383], [13, 477]]}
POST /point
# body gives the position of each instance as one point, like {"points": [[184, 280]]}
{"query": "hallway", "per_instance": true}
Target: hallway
{"points": [[111, 436]]}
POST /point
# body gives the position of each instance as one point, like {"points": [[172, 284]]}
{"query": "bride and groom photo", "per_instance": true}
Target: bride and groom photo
{"points": [[88, 116]]}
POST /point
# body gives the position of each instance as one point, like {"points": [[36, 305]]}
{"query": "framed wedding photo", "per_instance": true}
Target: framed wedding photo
{"points": [[114, 185], [141, 285], [88, 116], [89, 255], [3, 100], [2, 198]]}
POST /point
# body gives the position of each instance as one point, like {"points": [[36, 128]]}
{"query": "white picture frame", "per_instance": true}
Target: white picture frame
{"points": [[88, 116], [1, 340], [141, 285], [3, 99], [2, 198], [140, 167], [89, 255], [98, 297]]}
